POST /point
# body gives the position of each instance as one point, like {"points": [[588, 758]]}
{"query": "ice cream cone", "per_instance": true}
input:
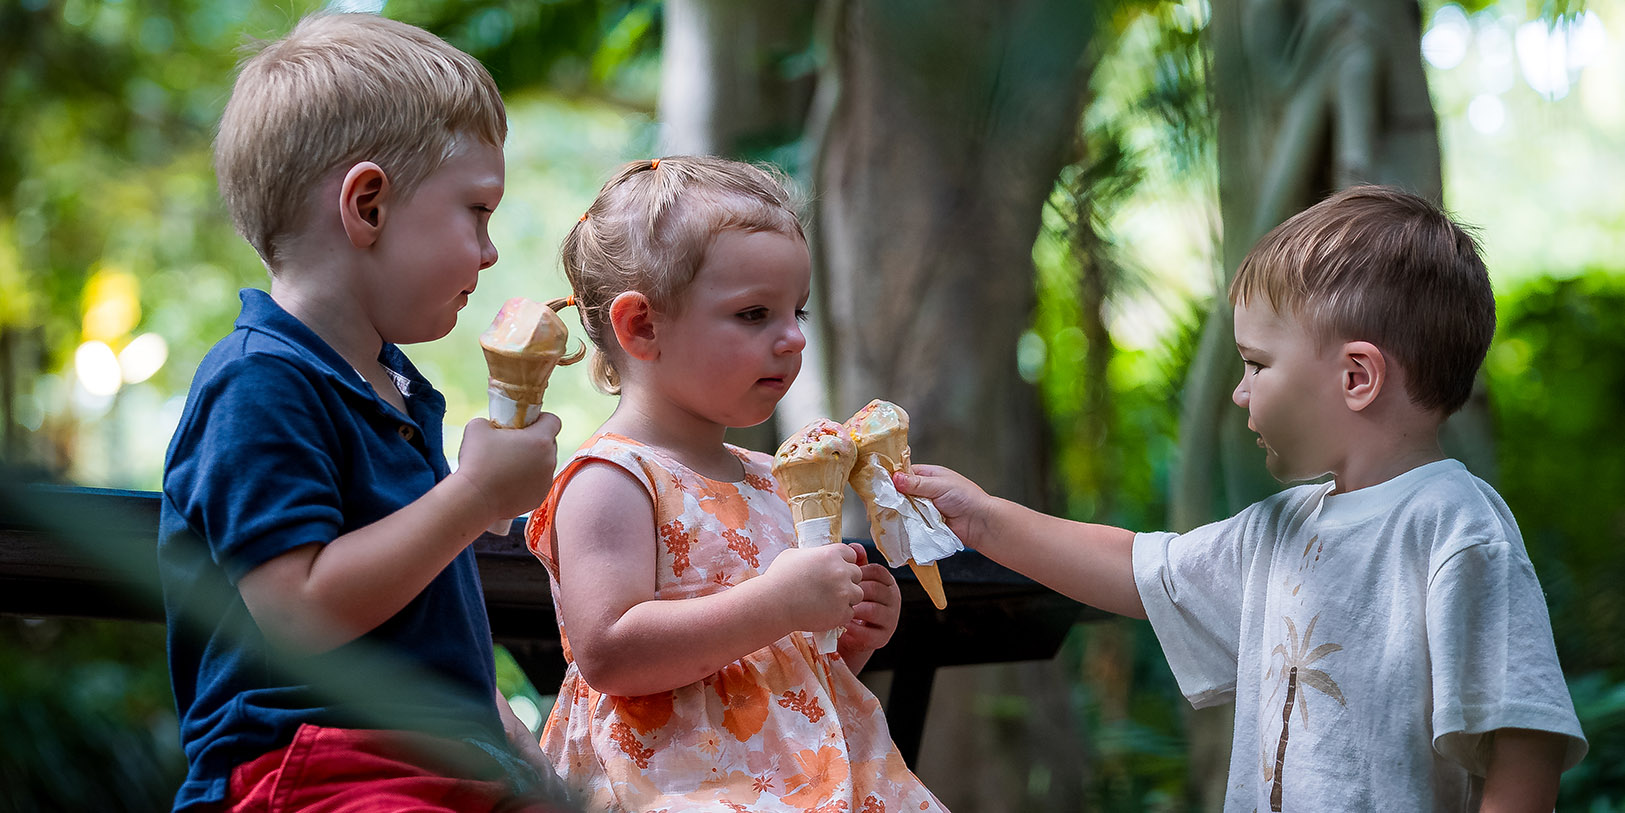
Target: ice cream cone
{"points": [[522, 345], [881, 428], [930, 579], [812, 465]]}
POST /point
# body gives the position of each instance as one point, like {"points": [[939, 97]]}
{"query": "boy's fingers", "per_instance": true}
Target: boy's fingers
{"points": [[549, 423], [546, 423], [922, 481]]}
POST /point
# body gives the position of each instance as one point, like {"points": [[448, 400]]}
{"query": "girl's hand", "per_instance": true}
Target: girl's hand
{"points": [[816, 587], [874, 619], [962, 503]]}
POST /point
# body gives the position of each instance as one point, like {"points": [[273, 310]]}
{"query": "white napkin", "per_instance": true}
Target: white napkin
{"points": [[505, 411], [904, 527], [810, 533]]}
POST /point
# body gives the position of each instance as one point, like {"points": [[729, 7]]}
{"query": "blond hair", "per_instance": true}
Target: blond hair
{"points": [[649, 229], [1378, 264], [337, 90]]}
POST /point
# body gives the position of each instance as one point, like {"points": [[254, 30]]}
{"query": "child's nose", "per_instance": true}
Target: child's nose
{"points": [[488, 254], [1240, 396], [793, 341]]}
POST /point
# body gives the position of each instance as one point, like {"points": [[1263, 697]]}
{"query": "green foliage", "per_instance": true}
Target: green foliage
{"points": [[1129, 704], [574, 47], [1556, 376], [1598, 782], [88, 717], [1145, 141]]}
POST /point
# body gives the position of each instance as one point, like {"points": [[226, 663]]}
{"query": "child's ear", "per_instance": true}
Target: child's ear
{"points": [[633, 319], [361, 203], [1365, 372]]}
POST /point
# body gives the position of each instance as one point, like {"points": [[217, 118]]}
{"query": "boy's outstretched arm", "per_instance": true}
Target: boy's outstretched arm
{"points": [[1091, 563], [319, 596], [1523, 771]]}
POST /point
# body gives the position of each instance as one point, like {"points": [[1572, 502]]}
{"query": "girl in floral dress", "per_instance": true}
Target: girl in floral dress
{"points": [[693, 681]]}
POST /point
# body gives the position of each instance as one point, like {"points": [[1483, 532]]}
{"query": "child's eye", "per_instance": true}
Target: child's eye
{"points": [[1252, 365], [802, 315], [753, 315]]}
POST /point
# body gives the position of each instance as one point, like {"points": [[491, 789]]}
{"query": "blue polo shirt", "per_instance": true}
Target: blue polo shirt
{"points": [[283, 444]]}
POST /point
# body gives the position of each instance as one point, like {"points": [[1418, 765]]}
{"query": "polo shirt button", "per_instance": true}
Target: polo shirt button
{"points": [[406, 432]]}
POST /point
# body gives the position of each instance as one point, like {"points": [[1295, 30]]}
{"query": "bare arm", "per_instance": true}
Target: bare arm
{"points": [[626, 642], [320, 596], [1523, 772], [1090, 563]]}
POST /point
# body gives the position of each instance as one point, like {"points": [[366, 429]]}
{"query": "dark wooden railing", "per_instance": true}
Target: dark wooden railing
{"points": [[85, 552]]}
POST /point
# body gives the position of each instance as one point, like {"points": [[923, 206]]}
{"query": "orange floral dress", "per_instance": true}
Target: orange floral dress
{"points": [[781, 729]]}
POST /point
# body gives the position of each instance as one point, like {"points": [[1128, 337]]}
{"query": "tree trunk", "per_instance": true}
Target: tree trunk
{"points": [[944, 128], [1311, 96], [723, 89], [1280, 746]]}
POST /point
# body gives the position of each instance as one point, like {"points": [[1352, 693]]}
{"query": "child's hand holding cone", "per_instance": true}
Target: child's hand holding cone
{"points": [[524, 343], [812, 466]]}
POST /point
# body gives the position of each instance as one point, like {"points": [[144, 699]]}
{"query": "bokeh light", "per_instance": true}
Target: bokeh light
{"points": [[1446, 41], [96, 366], [143, 357]]}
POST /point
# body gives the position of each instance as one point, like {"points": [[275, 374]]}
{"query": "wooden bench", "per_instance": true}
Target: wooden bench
{"points": [[86, 552]]}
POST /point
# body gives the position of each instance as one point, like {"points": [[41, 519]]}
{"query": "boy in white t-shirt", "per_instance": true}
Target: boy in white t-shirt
{"points": [[1383, 634]]}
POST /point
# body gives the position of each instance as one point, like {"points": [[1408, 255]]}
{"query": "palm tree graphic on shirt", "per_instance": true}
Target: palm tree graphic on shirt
{"points": [[1296, 658]]}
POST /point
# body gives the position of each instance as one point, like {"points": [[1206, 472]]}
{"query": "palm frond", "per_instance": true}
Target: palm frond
{"points": [[1322, 682]]}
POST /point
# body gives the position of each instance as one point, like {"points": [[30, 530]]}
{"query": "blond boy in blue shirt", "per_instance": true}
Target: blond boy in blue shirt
{"points": [[329, 646]]}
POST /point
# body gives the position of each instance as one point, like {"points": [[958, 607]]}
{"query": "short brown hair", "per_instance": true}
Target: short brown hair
{"points": [[1378, 264], [339, 89], [650, 227]]}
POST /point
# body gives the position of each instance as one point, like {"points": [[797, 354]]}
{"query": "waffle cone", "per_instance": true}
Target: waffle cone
{"points": [[892, 448], [930, 579], [814, 488], [519, 374]]}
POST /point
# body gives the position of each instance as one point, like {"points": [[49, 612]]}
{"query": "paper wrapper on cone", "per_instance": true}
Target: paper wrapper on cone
{"points": [[522, 346], [813, 465], [905, 529]]}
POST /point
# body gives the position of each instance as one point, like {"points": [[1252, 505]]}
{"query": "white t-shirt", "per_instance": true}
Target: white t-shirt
{"points": [[1369, 639]]}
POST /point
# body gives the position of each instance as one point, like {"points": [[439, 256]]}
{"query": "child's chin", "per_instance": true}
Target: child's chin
{"points": [[748, 421]]}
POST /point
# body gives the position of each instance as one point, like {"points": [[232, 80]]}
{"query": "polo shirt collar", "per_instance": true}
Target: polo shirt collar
{"points": [[262, 313]]}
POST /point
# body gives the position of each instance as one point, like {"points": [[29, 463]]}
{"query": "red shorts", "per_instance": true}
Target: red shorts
{"points": [[341, 770]]}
